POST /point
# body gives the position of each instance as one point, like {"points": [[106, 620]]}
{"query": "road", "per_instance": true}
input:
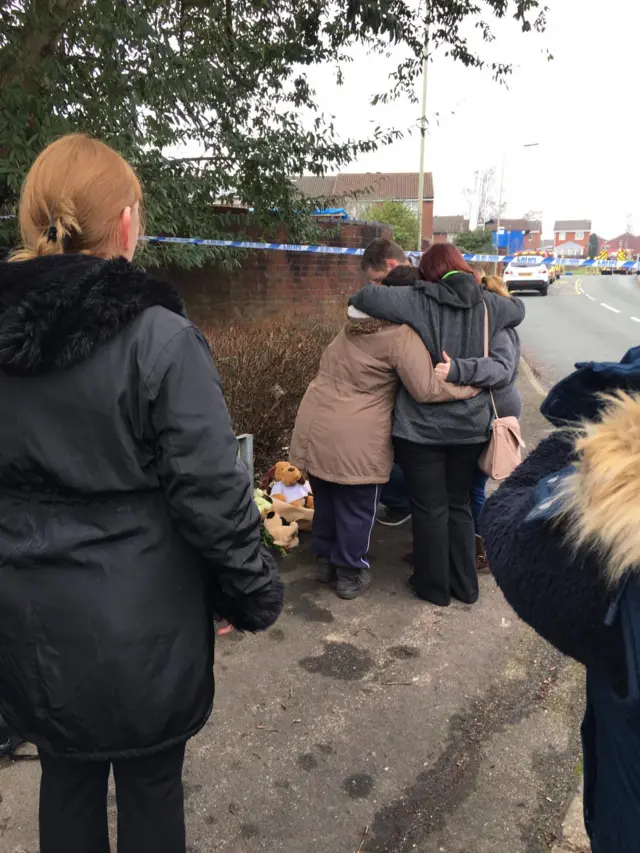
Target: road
{"points": [[584, 318]]}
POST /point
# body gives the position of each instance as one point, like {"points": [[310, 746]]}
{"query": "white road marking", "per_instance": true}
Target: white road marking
{"points": [[609, 308], [532, 379], [589, 296], [636, 319]]}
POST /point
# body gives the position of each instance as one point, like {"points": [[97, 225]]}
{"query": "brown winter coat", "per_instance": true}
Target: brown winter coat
{"points": [[343, 429]]}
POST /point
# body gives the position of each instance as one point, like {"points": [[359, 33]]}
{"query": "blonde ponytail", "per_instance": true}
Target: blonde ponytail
{"points": [[495, 284], [62, 230], [73, 197]]}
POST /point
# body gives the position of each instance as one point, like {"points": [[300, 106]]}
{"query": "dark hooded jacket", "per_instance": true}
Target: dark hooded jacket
{"points": [[449, 316], [563, 543], [126, 517]]}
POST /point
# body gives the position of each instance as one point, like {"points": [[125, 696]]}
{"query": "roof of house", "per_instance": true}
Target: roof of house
{"points": [[450, 224], [572, 225], [621, 241], [516, 224], [377, 186]]}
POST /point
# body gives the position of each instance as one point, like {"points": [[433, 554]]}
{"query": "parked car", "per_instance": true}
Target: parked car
{"points": [[528, 272]]}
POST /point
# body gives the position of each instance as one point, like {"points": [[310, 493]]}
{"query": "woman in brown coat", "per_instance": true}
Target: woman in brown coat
{"points": [[342, 437]]}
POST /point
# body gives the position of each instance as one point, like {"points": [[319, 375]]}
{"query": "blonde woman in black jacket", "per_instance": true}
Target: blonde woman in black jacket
{"points": [[125, 514]]}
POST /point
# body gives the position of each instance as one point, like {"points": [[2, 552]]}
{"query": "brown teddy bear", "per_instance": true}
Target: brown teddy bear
{"points": [[283, 533], [286, 483]]}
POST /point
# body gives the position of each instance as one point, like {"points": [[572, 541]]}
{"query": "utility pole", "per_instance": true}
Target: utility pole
{"points": [[473, 201], [504, 162], [500, 196], [423, 135]]}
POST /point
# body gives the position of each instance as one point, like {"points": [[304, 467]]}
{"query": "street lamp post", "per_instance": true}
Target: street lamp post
{"points": [[423, 134], [501, 195]]}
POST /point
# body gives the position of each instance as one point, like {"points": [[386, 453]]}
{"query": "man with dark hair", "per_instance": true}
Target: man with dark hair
{"points": [[381, 257]]}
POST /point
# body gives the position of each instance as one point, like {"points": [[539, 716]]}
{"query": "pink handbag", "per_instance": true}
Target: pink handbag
{"points": [[503, 454]]}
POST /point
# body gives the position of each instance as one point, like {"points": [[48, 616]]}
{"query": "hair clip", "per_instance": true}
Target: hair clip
{"points": [[52, 231]]}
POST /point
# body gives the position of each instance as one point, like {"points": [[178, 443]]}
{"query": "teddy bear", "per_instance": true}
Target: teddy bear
{"points": [[284, 534], [286, 483]]}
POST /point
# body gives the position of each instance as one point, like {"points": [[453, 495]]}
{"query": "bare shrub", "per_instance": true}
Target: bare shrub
{"points": [[266, 366]]}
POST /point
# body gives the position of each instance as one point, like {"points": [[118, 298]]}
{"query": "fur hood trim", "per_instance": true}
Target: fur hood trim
{"points": [[362, 324], [56, 310], [601, 500]]}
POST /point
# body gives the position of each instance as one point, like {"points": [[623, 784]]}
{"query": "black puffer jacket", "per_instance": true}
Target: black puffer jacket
{"points": [[125, 515]]}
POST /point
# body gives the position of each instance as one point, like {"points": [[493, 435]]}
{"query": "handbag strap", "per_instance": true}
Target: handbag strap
{"points": [[486, 351]]}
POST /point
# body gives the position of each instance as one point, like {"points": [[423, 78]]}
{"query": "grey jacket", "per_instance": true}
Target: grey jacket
{"points": [[449, 316], [499, 372]]}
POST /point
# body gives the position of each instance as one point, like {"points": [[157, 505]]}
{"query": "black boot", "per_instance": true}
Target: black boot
{"points": [[324, 572], [352, 583], [8, 742]]}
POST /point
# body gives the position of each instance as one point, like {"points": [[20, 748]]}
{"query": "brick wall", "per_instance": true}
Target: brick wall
{"points": [[268, 283]]}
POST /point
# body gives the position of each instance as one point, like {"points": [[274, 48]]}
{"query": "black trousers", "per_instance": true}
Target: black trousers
{"points": [[439, 481], [149, 796]]}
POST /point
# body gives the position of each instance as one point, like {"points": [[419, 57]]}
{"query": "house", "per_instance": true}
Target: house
{"points": [[358, 192], [447, 228], [516, 235], [571, 237], [622, 241]]}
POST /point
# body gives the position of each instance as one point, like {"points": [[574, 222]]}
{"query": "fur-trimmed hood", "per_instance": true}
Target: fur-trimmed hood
{"points": [[600, 499], [55, 310], [599, 496]]}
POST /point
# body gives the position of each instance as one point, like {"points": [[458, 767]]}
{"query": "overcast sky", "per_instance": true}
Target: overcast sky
{"points": [[581, 108]]}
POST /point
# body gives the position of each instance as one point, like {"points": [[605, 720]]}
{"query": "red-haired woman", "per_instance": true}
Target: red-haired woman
{"points": [[438, 446]]}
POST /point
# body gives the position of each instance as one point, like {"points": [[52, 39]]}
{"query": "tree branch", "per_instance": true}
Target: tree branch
{"points": [[39, 36]]}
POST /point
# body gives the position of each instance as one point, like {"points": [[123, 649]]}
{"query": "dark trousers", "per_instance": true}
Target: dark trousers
{"points": [[439, 481], [149, 796], [343, 519], [394, 494]]}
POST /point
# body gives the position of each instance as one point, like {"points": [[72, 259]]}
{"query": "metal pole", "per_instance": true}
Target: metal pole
{"points": [[423, 135], [504, 160]]}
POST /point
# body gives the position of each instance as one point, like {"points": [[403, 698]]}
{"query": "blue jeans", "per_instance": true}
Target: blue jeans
{"points": [[478, 497], [394, 495]]}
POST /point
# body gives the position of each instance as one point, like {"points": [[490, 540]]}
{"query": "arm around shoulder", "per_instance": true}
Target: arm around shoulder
{"points": [[412, 362], [396, 304], [494, 371]]}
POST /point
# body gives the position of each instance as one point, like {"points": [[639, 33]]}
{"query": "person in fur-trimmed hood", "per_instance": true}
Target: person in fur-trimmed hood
{"points": [[563, 540], [126, 517]]}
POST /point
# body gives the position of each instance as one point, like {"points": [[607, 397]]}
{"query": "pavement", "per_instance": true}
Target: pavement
{"points": [[382, 725]]}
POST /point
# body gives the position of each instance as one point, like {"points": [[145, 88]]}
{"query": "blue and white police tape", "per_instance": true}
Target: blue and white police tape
{"points": [[342, 250], [339, 250], [240, 244], [534, 260]]}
